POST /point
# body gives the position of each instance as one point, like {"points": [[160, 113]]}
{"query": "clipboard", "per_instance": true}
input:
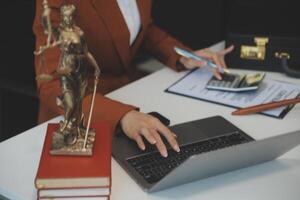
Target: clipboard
{"points": [[193, 84]]}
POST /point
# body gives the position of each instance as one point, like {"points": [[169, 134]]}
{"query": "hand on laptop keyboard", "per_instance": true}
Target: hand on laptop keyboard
{"points": [[152, 167], [137, 125]]}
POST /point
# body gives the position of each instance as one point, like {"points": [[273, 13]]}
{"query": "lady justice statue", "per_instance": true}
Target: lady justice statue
{"points": [[72, 137]]}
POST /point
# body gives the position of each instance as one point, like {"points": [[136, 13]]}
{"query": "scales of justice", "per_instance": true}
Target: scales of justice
{"points": [[73, 137]]}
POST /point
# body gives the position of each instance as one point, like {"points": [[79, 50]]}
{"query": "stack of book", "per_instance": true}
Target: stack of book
{"points": [[76, 177]]}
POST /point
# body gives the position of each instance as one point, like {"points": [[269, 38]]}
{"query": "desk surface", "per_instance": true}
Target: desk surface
{"points": [[278, 179]]}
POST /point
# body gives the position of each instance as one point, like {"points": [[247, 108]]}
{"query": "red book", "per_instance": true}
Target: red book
{"points": [[73, 192], [57, 172], [79, 198]]}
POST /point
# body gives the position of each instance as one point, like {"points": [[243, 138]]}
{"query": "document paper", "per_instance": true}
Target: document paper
{"points": [[193, 85]]}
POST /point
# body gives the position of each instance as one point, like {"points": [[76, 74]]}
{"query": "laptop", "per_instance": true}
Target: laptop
{"points": [[209, 147]]}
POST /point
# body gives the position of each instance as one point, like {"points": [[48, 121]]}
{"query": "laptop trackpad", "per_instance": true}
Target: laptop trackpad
{"points": [[204, 129]]}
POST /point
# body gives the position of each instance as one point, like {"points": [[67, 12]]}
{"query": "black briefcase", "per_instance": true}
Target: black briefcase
{"points": [[265, 34], [265, 53]]}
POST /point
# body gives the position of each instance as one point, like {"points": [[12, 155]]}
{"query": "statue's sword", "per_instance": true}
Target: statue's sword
{"points": [[90, 114]]}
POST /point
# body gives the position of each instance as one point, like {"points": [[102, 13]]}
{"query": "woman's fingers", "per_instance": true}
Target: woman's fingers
{"points": [[216, 60], [159, 143], [223, 63], [216, 57], [137, 125], [168, 135], [153, 137], [139, 140], [149, 137], [217, 74], [191, 63], [227, 50]]}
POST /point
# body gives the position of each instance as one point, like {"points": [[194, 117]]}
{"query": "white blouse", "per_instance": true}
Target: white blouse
{"points": [[131, 16]]}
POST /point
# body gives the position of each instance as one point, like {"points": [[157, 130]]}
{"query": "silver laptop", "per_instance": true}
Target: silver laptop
{"points": [[208, 146]]}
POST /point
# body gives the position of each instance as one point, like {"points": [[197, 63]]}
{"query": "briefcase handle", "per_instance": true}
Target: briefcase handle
{"points": [[284, 57]]}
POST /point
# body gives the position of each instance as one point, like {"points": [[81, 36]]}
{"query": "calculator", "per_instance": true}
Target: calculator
{"points": [[236, 83]]}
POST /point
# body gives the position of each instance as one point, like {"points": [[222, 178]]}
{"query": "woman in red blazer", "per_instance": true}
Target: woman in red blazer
{"points": [[108, 36]]}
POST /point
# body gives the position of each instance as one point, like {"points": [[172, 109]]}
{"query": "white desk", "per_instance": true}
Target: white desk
{"points": [[280, 179]]}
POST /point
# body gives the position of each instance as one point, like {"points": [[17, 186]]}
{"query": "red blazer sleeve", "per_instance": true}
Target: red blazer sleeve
{"points": [[105, 109], [160, 44]]}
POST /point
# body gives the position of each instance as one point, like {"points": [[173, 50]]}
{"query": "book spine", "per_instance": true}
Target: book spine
{"points": [[102, 197]]}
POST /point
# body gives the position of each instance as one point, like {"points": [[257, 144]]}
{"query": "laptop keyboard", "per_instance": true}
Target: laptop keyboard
{"points": [[153, 167]]}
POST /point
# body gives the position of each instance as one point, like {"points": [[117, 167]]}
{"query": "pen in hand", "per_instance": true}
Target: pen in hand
{"points": [[266, 106], [191, 55]]}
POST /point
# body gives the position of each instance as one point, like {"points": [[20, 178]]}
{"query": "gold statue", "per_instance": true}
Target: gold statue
{"points": [[72, 138]]}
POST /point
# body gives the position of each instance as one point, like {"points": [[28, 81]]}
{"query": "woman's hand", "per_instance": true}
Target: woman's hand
{"points": [[137, 125], [216, 57]]}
